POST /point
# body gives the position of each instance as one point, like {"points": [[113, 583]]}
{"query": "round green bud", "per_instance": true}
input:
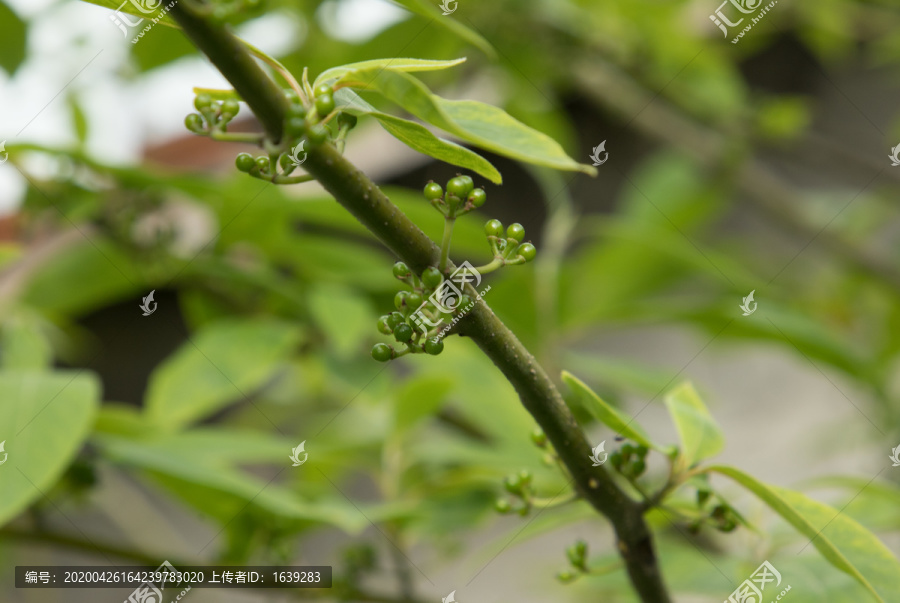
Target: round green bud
{"points": [[193, 122], [525, 476], [527, 251], [574, 558], [244, 162], [202, 101], [502, 506], [231, 107], [432, 277], [285, 162], [460, 186], [401, 270], [403, 332], [433, 191], [384, 326], [414, 300], [727, 525], [395, 319], [292, 96], [295, 127], [581, 548], [516, 231], [324, 104], [433, 347], [464, 301], [323, 89], [296, 110], [513, 484], [400, 300], [493, 228], [616, 459], [565, 576], [539, 437], [382, 352], [638, 468], [262, 163], [477, 197], [642, 451], [347, 120], [316, 133]]}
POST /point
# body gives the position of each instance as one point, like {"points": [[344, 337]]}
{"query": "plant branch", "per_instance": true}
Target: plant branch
{"points": [[362, 198]]}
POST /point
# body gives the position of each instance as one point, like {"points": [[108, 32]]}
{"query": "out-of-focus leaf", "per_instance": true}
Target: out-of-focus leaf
{"points": [[847, 545], [346, 318], [222, 363], [420, 397], [23, 342], [45, 417], [700, 436], [79, 119], [615, 419], [398, 64], [419, 138], [149, 10], [13, 35], [481, 124], [430, 11]]}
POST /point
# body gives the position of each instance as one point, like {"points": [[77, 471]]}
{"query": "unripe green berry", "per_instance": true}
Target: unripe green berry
{"points": [[244, 162], [317, 133], [382, 352], [291, 95], [527, 251], [566, 576], [539, 437], [477, 197], [296, 110], [394, 320], [581, 547], [322, 90], [464, 301], [401, 270], [295, 127], [414, 300], [502, 506], [193, 122], [384, 326], [616, 459], [432, 277], [400, 299], [513, 484], [285, 162], [202, 101], [347, 120], [433, 191], [525, 476], [493, 228], [324, 104], [516, 231], [642, 451], [231, 107], [262, 163], [403, 332], [638, 468], [433, 347], [460, 186], [576, 559]]}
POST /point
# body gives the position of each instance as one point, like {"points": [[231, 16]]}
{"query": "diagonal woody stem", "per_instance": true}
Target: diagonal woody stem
{"points": [[362, 198]]}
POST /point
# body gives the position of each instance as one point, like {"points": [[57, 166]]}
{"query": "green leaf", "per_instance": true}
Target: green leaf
{"points": [[418, 138], [420, 397], [130, 9], [396, 64], [847, 545], [24, 343], [79, 119], [481, 124], [45, 418], [606, 414], [430, 10], [700, 436], [224, 362], [13, 35], [345, 317]]}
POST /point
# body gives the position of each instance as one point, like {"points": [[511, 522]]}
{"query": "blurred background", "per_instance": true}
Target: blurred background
{"points": [[758, 165]]}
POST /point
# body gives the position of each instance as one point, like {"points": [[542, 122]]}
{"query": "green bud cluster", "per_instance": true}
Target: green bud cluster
{"points": [[577, 556], [460, 198], [721, 516], [212, 116], [400, 324], [630, 460], [519, 486], [509, 249]]}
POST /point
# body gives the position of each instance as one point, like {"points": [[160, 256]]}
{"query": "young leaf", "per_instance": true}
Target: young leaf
{"points": [[847, 545], [418, 138], [606, 414], [13, 38], [481, 124], [46, 418], [397, 64], [700, 436]]}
